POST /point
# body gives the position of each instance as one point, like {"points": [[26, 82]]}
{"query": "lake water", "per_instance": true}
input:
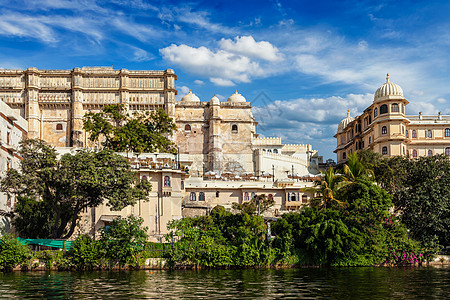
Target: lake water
{"points": [[309, 283]]}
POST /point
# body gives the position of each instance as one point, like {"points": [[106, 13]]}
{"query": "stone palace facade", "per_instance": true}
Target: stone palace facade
{"points": [[386, 129]]}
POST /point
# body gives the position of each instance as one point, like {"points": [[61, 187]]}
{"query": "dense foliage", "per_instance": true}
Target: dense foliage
{"points": [[52, 192], [140, 132], [420, 190], [12, 253]]}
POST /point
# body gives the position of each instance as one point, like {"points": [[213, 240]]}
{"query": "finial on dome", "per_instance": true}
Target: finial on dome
{"points": [[348, 112], [387, 77], [236, 92]]}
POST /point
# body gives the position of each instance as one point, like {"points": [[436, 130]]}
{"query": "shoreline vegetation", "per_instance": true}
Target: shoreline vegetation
{"points": [[350, 222]]}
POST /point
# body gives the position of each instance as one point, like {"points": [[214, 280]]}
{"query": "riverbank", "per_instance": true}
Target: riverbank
{"points": [[162, 264]]}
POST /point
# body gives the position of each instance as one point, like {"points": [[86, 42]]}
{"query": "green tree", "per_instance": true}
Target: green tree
{"points": [[326, 189], [257, 205], [355, 169], [62, 188], [123, 239], [139, 132]]}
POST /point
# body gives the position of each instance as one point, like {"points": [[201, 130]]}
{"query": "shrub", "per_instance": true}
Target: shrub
{"points": [[86, 253], [12, 253]]}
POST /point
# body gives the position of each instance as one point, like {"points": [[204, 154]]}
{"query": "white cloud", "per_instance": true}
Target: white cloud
{"points": [[247, 46], [199, 82], [231, 67], [441, 100], [140, 55], [221, 82]]}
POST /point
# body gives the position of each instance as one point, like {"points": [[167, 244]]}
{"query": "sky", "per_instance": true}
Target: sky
{"points": [[302, 64]]}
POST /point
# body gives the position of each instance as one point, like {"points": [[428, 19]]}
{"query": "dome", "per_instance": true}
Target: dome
{"points": [[236, 98], [345, 122], [214, 100], [190, 97], [388, 90]]}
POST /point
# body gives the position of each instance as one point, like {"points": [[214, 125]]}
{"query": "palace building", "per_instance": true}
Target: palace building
{"points": [[385, 128], [221, 158]]}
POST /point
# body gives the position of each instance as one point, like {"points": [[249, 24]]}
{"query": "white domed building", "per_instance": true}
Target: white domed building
{"points": [[384, 128]]}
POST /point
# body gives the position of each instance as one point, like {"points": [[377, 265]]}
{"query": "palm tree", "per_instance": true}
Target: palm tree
{"points": [[326, 189], [354, 169]]}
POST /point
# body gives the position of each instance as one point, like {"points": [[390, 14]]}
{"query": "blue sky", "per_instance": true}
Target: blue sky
{"points": [[301, 63]]}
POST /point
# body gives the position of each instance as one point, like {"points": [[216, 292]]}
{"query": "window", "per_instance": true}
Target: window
{"points": [[217, 194], [394, 107], [447, 151], [430, 134], [375, 112], [144, 178], [166, 181], [407, 134], [201, 196], [407, 153], [447, 132], [370, 140], [182, 184], [293, 197], [384, 130], [246, 197], [304, 198], [234, 128], [344, 155], [414, 134], [414, 153], [383, 109], [270, 197], [430, 153], [253, 195], [403, 130], [187, 127], [404, 151], [8, 138], [59, 126], [192, 196], [384, 150], [275, 151]]}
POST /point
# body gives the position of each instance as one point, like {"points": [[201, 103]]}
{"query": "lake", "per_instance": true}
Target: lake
{"points": [[306, 283]]}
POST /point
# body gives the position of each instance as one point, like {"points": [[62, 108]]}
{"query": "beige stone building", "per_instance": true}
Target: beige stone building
{"points": [[221, 159], [13, 130], [386, 129]]}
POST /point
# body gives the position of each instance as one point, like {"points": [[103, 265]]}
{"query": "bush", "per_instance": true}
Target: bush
{"points": [[123, 240], [86, 253], [12, 253]]}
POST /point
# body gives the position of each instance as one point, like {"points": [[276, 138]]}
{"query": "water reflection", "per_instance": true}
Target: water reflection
{"points": [[343, 283]]}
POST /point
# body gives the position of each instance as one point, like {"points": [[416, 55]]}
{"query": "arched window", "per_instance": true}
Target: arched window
{"points": [[253, 195], [166, 181], [304, 198], [383, 109], [394, 107], [275, 151], [375, 112], [344, 155], [430, 134], [447, 132], [447, 151], [384, 130], [187, 127], [414, 153], [270, 197], [430, 153], [217, 194], [384, 150], [59, 126], [234, 128], [246, 197], [201, 196], [192, 196], [414, 134], [293, 197], [407, 133], [144, 178]]}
